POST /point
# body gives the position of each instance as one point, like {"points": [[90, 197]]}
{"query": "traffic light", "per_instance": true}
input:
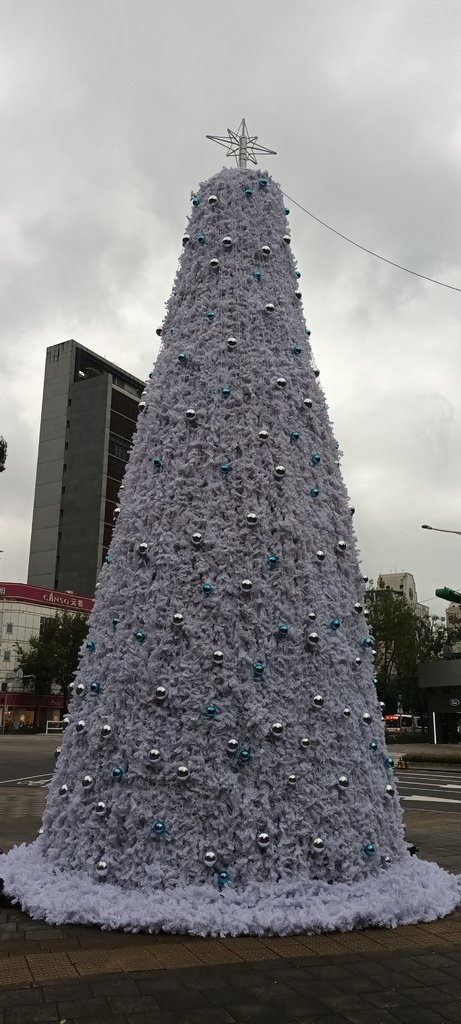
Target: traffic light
{"points": [[449, 595]]}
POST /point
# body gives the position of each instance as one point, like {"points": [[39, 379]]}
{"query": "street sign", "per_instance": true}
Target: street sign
{"points": [[448, 595]]}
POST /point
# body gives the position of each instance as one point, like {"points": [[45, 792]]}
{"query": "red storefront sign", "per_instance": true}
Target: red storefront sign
{"points": [[41, 595]]}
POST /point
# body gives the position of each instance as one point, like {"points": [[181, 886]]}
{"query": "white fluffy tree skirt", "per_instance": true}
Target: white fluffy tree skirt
{"points": [[409, 891]]}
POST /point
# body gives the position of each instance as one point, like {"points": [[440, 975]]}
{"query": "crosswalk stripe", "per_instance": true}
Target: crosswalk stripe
{"points": [[431, 799]]}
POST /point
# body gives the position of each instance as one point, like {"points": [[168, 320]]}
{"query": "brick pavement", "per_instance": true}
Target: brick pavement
{"points": [[74, 974]]}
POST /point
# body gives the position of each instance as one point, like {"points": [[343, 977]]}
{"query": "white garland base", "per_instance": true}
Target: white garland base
{"points": [[408, 891]]}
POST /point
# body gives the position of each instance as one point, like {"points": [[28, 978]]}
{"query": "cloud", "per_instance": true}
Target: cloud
{"points": [[104, 114]]}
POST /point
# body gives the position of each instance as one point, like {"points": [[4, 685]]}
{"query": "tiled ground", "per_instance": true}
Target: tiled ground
{"points": [[75, 974]]}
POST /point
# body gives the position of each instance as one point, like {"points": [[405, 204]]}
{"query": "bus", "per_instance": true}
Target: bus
{"points": [[402, 723]]}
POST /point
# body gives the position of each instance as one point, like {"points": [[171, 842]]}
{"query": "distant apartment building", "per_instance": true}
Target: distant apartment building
{"points": [[453, 616], [403, 583], [89, 413]]}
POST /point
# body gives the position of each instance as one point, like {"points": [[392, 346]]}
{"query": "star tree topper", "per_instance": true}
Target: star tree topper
{"points": [[241, 145]]}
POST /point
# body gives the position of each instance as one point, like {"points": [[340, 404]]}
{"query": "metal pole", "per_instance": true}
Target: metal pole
{"points": [[434, 728]]}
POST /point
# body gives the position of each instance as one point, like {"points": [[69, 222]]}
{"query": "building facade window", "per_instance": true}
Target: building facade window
{"points": [[9, 627], [6, 655]]}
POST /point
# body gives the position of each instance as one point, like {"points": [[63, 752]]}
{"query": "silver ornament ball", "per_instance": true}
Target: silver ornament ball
{"points": [[154, 755], [106, 729], [263, 840], [232, 746], [318, 700], [246, 585], [100, 807], [318, 845], [182, 772], [304, 742], [210, 858], [101, 868], [277, 729], [161, 693]]}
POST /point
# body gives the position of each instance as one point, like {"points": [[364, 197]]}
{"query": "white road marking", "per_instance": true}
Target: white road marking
{"points": [[432, 799], [449, 785], [25, 779]]}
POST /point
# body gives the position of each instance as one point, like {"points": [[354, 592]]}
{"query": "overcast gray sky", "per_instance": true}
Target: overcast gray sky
{"points": [[105, 105]]}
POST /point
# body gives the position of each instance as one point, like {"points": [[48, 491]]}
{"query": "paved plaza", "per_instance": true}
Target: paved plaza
{"points": [[80, 975]]}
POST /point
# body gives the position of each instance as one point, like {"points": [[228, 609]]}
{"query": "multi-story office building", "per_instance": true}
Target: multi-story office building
{"points": [[89, 414], [23, 610]]}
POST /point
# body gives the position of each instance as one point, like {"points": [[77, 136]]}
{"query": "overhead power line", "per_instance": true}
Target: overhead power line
{"points": [[424, 277]]}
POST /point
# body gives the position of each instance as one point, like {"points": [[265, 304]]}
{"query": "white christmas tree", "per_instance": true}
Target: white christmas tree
{"points": [[224, 767]]}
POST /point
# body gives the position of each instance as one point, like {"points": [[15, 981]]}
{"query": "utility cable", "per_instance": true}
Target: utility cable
{"points": [[370, 252]]}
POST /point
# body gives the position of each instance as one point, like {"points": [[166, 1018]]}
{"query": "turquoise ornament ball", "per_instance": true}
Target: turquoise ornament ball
{"points": [[373, 745], [389, 762], [258, 668], [195, 200], [140, 636], [368, 642], [211, 315], [315, 459], [286, 211], [158, 828], [223, 878], [226, 392], [335, 623], [157, 462], [294, 436], [117, 773], [201, 239], [95, 686], [225, 468], [248, 192], [283, 629], [297, 350], [211, 711], [272, 560], [244, 755], [182, 358], [262, 183], [315, 492], [207, 589], [369, 849], [90, 645]]}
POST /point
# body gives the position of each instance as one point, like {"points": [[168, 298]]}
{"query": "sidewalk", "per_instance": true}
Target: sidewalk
{"points": [[81, 975]]}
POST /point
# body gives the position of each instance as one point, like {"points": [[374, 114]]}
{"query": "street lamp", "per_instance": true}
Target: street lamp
{"points": [[439, 530]]}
